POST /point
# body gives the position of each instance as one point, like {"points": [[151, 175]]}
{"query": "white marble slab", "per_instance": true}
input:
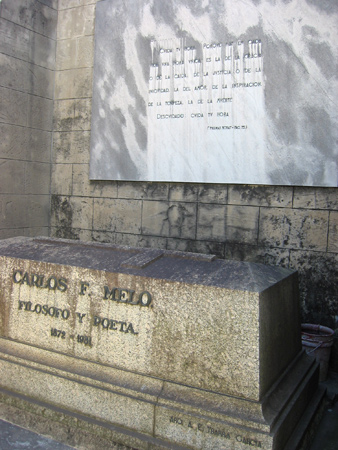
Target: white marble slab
{"points": [[215, 92]]}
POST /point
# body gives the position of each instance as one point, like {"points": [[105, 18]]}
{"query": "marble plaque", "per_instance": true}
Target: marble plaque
{"points": [[215, 92]]}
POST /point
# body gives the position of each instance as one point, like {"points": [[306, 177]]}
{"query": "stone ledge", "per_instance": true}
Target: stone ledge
{"points": [[175, 408]]}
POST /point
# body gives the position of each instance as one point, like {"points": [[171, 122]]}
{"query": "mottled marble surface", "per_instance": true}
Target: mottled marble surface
{"points": [[215, 91]]}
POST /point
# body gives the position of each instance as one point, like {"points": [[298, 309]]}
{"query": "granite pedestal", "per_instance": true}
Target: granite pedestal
{"points": [[154, 349]]}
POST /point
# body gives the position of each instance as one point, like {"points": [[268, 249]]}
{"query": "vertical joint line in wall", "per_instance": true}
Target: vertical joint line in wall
{"points": [[72, 181], [197, 210], [51, 171], [93, 212], [259, 220], [168, 196], [155, 407], [196, 217], [52, 131], [141, 228], [92, 218], [293, 195], [328, 231], [227, 203]]}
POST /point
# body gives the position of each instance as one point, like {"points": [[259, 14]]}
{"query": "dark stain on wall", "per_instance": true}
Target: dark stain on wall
{"points": [[319, 296], [62, 211]]}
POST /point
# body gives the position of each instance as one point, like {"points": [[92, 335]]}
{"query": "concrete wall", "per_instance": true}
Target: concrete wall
{"points": [[27, 59]]}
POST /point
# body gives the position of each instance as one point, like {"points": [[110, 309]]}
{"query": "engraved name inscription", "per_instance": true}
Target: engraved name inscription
{"points": [[217, 432], [205, 110], [64, 314], [191, 82]]}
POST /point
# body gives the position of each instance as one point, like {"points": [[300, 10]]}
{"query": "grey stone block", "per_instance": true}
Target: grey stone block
{"points": [[6, 233], [83, 235], [31, 14], [278, 196], [13, 107], [37, 178], [38, 210], [26, 45], [152, 242], [211, 222], [117, 215], [73, 83], [26, 77], [22, 143], [187, 245], [19, 108], [107, 237], [143, 190], [75, 53], [213, 193], [65, 233], [80, 178], [169, 219], [40, 113], [82, 186], [72, 115], [315, 198], [228, 223], [67, 4], [24, 211], [179, 192], [12, 176], [258, 254], [292, 228], [75, 22], [319, 295], [72, 212], [62, 178], [131, 240], [36, 231], [39, 145], [333, 232], [13, 142], [71, 147]]}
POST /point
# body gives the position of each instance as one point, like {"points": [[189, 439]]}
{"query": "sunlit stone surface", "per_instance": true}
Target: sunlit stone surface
{"points": [[157, 349]]}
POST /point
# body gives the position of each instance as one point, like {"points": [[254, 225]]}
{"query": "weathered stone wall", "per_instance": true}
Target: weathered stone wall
{"points": [[27, 59], [290, 226]]}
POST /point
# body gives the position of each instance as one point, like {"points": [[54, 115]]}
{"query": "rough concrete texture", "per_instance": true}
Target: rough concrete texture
{"points": [[27, 61]]}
